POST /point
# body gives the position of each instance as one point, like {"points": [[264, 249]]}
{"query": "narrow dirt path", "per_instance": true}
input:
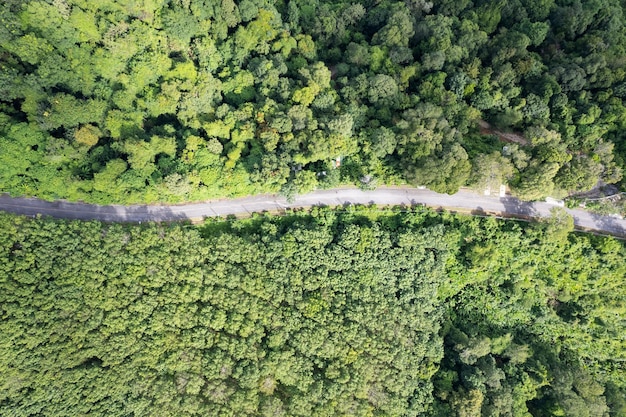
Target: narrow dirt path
{"points": [[487, 129]]}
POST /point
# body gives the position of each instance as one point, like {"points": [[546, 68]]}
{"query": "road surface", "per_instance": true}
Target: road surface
{"points": [[463, 201]]}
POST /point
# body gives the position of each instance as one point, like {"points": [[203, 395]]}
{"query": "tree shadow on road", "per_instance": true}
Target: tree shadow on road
{"points": [[520, 209], [82, 211], [164, 214], [608, 225]]}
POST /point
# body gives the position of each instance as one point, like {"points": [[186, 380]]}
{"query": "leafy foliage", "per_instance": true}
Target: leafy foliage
{"points": [[327, 312], [395, 88]]}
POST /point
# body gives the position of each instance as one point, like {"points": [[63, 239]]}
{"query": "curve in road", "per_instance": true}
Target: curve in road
{"points": [[463, 200]]}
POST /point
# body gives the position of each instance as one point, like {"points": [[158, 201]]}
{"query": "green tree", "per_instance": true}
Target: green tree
{"points": [[87, 135], [490, 171], [453, 170], [381, 87], [397, 31], [580, 174]]}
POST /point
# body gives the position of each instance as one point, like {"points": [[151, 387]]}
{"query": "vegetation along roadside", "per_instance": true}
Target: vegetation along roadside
{"points": [[321, 312], [117, 101]]}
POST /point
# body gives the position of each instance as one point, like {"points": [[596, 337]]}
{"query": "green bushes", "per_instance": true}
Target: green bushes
{"points": [[395, 88], [327, 312]]}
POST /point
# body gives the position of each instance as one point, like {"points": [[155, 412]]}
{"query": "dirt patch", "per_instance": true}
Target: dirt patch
{"points": [[486, 129]]}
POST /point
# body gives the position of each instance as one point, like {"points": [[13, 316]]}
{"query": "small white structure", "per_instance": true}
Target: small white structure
{"points": [[555, 202], [501, 191]]}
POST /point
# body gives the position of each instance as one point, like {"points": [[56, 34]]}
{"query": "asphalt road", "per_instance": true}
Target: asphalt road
{"points": [[462, 201]]}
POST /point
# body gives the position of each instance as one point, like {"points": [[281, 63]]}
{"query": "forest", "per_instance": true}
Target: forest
{"points": [[325, 312], [179, 100]]}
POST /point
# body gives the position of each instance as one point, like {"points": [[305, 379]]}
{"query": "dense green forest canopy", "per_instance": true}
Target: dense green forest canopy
{"points": [[170, 100], [323, 313]]}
